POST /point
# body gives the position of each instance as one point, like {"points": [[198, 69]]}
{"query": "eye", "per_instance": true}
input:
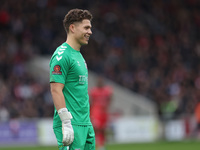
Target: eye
{"points": [[87, 27]]}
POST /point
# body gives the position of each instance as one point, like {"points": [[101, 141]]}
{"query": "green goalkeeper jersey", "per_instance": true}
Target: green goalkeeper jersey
{"points": [[67, 66]]}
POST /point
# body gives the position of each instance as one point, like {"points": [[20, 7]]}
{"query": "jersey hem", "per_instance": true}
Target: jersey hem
{"points": [[82, 124]]}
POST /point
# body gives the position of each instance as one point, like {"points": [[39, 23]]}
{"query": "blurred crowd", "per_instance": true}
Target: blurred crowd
{"points": [[151, 47]]}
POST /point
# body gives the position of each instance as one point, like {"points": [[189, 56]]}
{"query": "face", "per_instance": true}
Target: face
{"points": [[82, 31]]}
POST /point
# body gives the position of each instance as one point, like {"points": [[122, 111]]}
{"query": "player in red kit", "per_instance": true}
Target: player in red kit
{"points": [[100, 98]]}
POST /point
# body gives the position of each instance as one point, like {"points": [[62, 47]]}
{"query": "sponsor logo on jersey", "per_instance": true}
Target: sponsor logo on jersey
{"points": [[57, 70], [83, 79]]}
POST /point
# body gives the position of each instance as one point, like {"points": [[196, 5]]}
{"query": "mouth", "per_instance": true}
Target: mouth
{"points": [[87, 37]]}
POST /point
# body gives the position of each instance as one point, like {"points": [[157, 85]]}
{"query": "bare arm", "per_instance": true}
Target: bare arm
{"points": [[57, 95], [65, 116]]}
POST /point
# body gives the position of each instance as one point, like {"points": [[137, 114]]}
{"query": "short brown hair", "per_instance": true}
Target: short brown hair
{"points": [[75, 15]]}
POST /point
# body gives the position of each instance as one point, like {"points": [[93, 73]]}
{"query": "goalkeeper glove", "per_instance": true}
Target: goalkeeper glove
{"points": [[67, 130]]}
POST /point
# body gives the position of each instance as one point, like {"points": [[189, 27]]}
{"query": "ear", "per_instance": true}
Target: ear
{"points": [[72, 28]]}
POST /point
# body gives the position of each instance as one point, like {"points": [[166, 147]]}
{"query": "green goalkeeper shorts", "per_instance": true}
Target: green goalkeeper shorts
{"points": [[84, 138]]}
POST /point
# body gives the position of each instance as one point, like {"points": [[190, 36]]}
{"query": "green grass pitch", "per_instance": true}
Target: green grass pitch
{"points": [[186, 145]]}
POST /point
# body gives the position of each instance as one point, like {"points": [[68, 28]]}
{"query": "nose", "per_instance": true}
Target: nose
{"points": [[90, 31]]}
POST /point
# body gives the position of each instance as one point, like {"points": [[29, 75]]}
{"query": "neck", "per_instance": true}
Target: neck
{"points": [[72, 42]]}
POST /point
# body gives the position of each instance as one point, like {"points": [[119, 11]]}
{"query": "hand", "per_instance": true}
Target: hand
{"points": [[68, 132]]}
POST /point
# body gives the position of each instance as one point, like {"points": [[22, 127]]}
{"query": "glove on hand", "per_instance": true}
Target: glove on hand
{"points": [[67, 130]]}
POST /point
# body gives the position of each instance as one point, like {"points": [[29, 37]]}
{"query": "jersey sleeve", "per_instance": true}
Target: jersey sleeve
{"points": [[59, 67]]}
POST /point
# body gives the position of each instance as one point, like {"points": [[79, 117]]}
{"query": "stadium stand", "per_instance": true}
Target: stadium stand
{"points": [[150, 47]]}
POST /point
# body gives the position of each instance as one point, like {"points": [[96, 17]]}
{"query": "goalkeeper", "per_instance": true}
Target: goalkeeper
{"points": [[69, 85]]}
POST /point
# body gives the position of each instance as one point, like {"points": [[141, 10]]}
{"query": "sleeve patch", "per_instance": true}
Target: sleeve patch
{"points": [[57, 69]]}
